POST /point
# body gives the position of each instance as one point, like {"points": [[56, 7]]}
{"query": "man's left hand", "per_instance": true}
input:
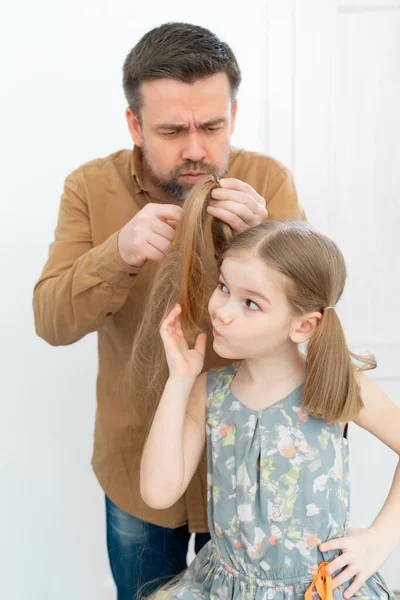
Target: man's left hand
{"points": [[237, 204]]}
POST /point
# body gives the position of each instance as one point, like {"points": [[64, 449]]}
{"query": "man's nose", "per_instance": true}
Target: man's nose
{"points": [[194, 149]]}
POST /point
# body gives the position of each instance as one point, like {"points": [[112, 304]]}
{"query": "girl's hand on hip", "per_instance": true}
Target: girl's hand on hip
{"points": [[363, 553], [182, 362]]}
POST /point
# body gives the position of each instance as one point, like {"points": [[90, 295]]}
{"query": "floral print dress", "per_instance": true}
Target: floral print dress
{"points": [[278, 485]]}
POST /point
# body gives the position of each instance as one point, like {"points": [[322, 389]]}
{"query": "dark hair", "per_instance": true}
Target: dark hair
{"points": [[177, 51]]}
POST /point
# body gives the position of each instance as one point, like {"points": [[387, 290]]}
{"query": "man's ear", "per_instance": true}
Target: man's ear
{"points": [[303, 328], [134, 127], [233, 116]]}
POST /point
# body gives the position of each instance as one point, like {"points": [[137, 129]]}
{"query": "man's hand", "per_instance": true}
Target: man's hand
{"points": [[149, 235], [363, 552], [237, 204]]}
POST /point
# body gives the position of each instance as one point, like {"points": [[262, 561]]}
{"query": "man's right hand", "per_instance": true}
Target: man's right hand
{"points": [[149, 235]]}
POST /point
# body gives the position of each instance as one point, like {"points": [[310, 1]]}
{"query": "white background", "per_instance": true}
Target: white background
{"points": [[320, 92]]}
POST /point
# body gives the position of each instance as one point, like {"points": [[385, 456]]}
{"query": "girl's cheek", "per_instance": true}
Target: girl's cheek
{"points": [[211, 304]]}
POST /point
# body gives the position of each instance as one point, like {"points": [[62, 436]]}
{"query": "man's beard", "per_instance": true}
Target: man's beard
{"points": [[172, 185]]}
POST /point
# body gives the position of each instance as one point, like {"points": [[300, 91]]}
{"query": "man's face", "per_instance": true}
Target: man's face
{"points": [[184, 131]]}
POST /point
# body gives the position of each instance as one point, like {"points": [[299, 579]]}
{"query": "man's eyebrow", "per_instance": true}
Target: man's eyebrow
{"points": [[214, 122], [180, 127], [250, 292]]}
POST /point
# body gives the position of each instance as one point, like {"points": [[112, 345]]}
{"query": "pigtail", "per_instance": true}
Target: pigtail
{"points": [[195, 284], [331, 390]]}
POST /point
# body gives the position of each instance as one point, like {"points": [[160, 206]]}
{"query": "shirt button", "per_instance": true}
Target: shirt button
{"points": [[109, 314]]}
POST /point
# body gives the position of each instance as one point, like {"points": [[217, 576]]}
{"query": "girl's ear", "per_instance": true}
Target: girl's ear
{"points": [[303, 328]]}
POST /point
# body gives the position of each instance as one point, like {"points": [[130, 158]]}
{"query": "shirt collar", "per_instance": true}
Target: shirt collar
{"points": [[137, 169]]}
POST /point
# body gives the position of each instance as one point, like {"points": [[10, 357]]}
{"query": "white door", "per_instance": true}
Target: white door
{"points": [[334, 118]]}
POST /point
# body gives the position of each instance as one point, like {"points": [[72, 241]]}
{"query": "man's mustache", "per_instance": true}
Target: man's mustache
{"points": [[195, 167]]}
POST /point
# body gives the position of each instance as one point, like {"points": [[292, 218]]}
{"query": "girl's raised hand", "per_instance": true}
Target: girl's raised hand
{"points": [[182, 362]]}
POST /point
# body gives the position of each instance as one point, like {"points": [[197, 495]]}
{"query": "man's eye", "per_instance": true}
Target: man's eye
{"points": [[169, 133]]}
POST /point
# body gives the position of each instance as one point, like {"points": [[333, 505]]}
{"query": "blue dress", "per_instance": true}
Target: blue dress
{"points": [[278, 486]]}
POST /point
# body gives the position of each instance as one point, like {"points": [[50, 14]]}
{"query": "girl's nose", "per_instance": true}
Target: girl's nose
{"points": [[224, 316]]}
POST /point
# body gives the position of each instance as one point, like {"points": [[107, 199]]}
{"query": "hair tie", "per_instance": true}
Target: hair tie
{"points": [[326, 308]]}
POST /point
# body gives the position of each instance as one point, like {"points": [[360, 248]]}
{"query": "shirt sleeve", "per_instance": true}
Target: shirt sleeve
{"points": [[281, 195], [81, 286]]}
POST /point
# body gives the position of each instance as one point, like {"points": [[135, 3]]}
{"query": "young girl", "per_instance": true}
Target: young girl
{"points": [[273, 423]]}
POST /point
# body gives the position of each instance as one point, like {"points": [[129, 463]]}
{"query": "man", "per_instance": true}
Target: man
{"points": [[117, 220]]}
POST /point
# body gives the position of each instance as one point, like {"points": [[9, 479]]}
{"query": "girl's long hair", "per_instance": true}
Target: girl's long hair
{"points": [[315, 275], [187, 277]]}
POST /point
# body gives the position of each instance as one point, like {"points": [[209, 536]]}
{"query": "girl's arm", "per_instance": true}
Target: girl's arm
{"points": [[176, 442], [177, 436], [381, 417], [364, 552]]}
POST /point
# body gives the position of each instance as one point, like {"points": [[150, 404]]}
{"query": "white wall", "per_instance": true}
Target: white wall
{"points": [[62, 105]]}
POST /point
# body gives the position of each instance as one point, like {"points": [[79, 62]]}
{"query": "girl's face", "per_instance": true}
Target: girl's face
{"points": [[249, 310]]}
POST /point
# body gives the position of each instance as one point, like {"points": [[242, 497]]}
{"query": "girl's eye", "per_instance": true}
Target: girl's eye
{"points": [[222, 285], [254, 304]]}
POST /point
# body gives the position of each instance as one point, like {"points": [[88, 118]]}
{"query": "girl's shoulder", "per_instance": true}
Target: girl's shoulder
{"points": [[219, 378], [379, 415]]}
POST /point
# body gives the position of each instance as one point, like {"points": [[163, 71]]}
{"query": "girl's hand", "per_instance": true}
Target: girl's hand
{"points": [[363, 553], [182, 362]]}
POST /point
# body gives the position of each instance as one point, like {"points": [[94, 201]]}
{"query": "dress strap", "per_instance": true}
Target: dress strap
{"points": [[322, 582], [215, 375]]}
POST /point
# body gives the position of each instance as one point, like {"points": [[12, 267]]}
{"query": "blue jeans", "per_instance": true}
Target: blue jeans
{"points": [[144, 556]]}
